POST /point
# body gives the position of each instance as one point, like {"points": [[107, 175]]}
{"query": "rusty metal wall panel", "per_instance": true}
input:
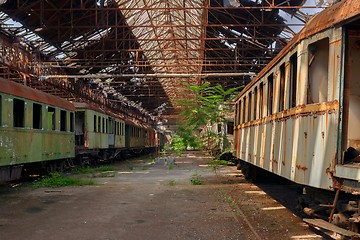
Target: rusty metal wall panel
{"points": [[258, 152], [287, 148], [301, 148], [267, 148]]}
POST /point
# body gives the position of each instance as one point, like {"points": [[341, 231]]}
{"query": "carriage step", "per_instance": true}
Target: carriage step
{"points": [[331, 227]]}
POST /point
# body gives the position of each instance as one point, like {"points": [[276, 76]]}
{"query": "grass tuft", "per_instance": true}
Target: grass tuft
{"points": [[83, 170], [172, 182], [196, 179], [106, 169], [58, 180]]}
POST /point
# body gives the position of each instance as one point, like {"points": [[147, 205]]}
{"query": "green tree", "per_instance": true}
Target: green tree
{"points": [[209, 105]]}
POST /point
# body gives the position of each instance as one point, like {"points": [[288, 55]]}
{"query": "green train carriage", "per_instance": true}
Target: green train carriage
{"points": [[98, 134], [36, 130]]}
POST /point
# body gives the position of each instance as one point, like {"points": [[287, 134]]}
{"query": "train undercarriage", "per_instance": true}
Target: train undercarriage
{"points": [[336, 211]]}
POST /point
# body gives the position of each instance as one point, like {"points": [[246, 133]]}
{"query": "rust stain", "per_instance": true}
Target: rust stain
{"points": [[303, 168], [299, 111]]}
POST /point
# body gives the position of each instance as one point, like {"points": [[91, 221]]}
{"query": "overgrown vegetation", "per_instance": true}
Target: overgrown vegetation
{"points": [[227, 198], [216, 163], [172, 182], [130, 165], [145, 168], [90, 170], [170, 166], [59, 180], [196, 179], [208, 107]]}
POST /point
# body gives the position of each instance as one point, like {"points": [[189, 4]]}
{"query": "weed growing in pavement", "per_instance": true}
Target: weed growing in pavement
{"points": [[104, 174], [58, 180], [170, 166], [83, 170], [106, 169], [227, 198], [103, 171], [172, 182], [130, 165], [144, 168], [196, 179], [215, 164]]}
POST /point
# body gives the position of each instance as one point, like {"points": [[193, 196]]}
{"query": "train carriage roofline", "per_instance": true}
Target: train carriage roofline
{"points": [[18, 90], [81, 105], [341, 12]]}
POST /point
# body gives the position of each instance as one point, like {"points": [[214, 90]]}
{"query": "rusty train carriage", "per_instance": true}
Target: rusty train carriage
{"points": [[35, 127], [103, 134], [97, 132], [299, 116], [39, 132]]}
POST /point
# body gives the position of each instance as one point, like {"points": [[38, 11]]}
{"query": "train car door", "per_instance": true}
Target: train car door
{"points": [[111, 132], [80, 128], [351, 118], [127, 136]]}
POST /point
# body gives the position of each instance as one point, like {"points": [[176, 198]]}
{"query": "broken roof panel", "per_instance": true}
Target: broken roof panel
{"points": [[130, 42]]}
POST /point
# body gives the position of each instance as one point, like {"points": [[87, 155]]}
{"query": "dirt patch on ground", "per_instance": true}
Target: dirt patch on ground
{"points": [[151, 199]]}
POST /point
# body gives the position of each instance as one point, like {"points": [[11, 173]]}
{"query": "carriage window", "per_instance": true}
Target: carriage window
{"points": [[255, 116], [99, 124], [236, 113], [243, 110], [261, 100], [51, 118], [19, 113], [94, 123], [103, 125], [230, 128], [37, 116], [282, 87], [107, 126], [0, 110], [293, 80], [249, 108], [63, 120], [270, 94], [116, 128], [71, 122], [317, 88]]}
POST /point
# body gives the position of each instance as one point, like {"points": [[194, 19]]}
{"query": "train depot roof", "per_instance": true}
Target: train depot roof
{"points": [[136, 56]]}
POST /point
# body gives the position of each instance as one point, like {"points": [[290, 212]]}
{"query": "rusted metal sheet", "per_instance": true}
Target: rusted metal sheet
{"points": [[300, 147], [22, 91]]}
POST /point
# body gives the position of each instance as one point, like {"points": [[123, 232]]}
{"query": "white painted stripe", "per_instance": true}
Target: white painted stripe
{"points": [[312, 236], [272, 208]]}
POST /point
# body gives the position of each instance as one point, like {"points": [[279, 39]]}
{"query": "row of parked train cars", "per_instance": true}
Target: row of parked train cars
{"points": [[300, 117], [42, 131]]}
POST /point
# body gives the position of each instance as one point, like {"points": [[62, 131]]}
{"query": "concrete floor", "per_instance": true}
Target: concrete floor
{"points": [[143, 203]]}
